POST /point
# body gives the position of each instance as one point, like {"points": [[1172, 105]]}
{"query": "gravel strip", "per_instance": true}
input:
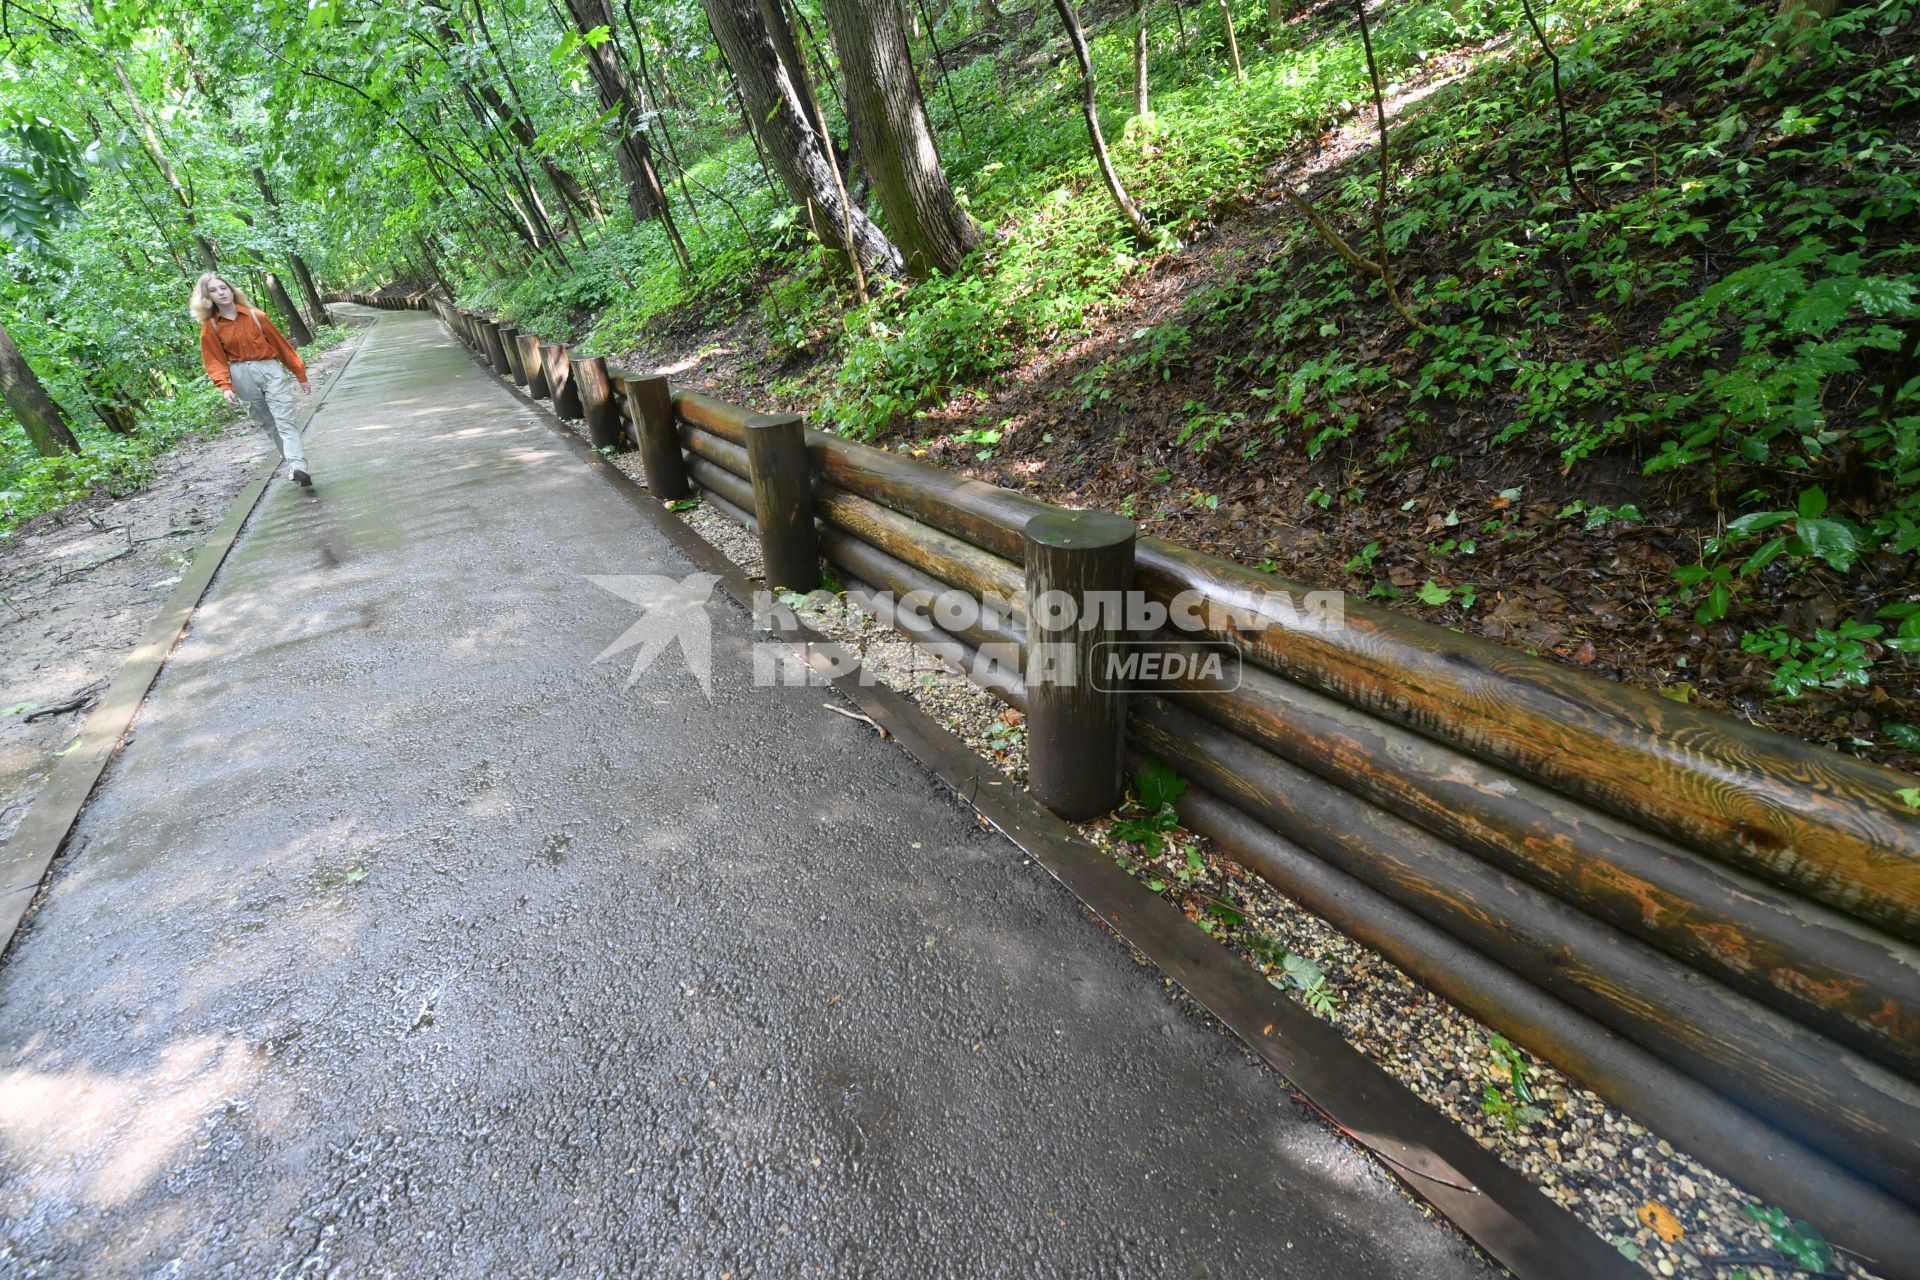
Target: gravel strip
{"points": [[1659, 1206]]}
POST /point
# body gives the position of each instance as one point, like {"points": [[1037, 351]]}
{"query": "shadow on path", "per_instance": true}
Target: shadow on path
{"points": [[403, 937]]}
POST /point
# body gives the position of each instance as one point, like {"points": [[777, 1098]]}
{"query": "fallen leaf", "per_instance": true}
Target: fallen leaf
{"points": [[1659, 1219]]}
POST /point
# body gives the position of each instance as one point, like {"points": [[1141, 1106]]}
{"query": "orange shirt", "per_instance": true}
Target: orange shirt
{"points": [[241, 338]]}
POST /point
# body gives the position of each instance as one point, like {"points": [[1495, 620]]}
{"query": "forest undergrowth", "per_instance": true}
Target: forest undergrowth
{"points": [[1660, 418]]}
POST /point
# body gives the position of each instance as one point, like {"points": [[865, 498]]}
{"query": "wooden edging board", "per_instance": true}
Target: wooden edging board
{"points": [[1493, 1205], [31, 849]]}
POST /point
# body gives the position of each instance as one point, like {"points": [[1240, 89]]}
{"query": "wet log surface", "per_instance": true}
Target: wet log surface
{"points": [[1770, 1164], [559, 367], [516, 365], [597, 407], [1820, 966], [1827, 1096], [533, 359], [1076, 722], [776, 450], [650, 406]]}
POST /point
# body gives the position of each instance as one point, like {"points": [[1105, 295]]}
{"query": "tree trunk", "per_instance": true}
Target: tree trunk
{"points": [[1798, 16], [300, 271], [883, 100], [1233, 41], [583, 199], [778, 109], [1090, 104], [660, 116], [644, 195], [1140, 57], [310, 290], [433, 265], [159, 158], [296, 327], [571, 193], [116, 410], [45, 424]]}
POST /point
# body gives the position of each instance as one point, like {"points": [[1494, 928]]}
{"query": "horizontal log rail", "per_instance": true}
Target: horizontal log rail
{"points": [[1689, 1114], [1711, 925], [1749, 934], [1825, 1094], [1829, 825], [1807, 960]]}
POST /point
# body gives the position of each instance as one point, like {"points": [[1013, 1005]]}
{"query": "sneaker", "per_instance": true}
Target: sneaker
{"points": [[301, 478]]}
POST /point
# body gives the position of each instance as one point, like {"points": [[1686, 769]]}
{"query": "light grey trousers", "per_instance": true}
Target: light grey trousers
{"points": [[266, 388]]}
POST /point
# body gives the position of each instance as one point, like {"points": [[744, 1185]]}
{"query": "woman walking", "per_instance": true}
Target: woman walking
{"points": [[251, 362]]}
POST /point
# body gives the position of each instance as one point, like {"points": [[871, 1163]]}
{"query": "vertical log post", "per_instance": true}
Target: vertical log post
{"points": [[783, 500], [533, 361], [1076, 733], [494, 350], [660, 456], [596, 402], [510, 339], [566, 396], [617, 390]]}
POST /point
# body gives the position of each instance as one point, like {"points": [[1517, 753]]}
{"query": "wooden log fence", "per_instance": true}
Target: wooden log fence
{"points": [[1713, 926], [389, 302]]}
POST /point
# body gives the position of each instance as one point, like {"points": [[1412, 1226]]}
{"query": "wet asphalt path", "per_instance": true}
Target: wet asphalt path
{"points": [[404, 939]]}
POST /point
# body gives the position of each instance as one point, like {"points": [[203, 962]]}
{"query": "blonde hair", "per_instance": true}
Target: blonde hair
{"points": [[200, 306]]}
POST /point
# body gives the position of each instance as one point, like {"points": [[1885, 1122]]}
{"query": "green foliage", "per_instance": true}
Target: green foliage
{"points": [[107, 463], [1295, 973], [1799, 1241], [916, 346], [1064, 253], [41, 178], [1150, 814], [1511, 1107], [1799, 537], [1749, 276], [1834, 657]]}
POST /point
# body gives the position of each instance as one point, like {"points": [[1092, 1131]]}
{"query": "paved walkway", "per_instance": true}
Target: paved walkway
{"points": [[403, 938]]}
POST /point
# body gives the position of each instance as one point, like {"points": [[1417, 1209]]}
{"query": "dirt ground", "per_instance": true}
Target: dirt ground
{"points": [[1598, 598], [79, 586]]}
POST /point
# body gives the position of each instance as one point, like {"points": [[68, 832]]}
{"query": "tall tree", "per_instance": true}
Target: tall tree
{"points": [[1140, 105], [158, 156], [883, 101], [514, 116], [1233, 41], [765, 59], [296, 326], [631, 152], [301, 271], [45, 422], [1090, 107]]}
